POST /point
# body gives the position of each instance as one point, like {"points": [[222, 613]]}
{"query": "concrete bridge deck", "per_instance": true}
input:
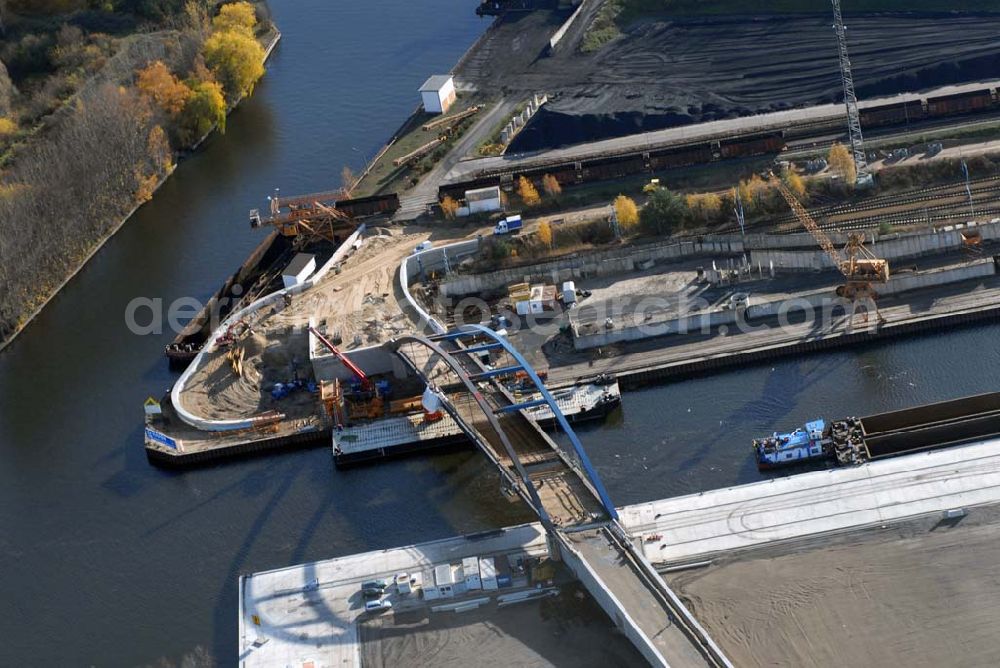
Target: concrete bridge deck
{"points": [[697, 526], [559, 483]]}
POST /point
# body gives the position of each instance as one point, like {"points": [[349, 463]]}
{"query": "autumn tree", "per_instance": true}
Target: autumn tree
{"points": [[545, 233], [626, 212], [551, 185], [753, 192], [842, 163], [449, 207], [527, 192], [205, 109], [796, 184], [237, 62], [705, 206], [157, 83], [236, 17]]}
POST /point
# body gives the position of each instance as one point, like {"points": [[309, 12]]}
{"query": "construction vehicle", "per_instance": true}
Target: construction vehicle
{"points": [[233, 333], [857, 263]]}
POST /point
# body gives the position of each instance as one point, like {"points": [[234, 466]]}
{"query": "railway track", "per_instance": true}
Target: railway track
{"points": [[896, 209]]}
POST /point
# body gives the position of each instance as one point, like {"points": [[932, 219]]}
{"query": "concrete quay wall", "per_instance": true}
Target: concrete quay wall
{"points": [[815, 300]]}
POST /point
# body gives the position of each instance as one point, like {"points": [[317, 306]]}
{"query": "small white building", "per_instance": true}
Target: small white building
{"points": [[438, 93], [488, 573], [446, 584], [470, 571], [298, 271], [483, 200]]}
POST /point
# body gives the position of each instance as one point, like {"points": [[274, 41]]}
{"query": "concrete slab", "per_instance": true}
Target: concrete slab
{"points": [[309, 612], [696, 525]]}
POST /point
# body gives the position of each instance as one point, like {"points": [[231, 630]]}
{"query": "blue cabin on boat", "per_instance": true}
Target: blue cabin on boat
{"points": [[803, 444]]}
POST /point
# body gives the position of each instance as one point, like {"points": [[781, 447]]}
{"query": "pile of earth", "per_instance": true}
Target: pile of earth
{"points": [[669, 72]]}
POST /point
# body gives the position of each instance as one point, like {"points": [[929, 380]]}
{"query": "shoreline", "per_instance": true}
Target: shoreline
{"points": [[103, 240]]}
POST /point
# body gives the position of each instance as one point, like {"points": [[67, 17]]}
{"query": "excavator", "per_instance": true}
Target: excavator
{"points": [[859, 265]]}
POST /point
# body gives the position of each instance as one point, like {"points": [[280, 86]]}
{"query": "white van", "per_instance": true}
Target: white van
{"points": [[378, 606]]}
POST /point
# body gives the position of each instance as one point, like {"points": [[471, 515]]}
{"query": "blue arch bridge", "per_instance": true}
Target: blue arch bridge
{"points": [[557, 480]]}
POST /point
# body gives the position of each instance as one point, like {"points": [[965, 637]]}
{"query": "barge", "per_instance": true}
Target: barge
{"points": [[367, 441], [259, 275], [854, 440]]}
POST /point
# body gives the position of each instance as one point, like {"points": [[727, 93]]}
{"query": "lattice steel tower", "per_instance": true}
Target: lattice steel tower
{"points": [[850, 99]]}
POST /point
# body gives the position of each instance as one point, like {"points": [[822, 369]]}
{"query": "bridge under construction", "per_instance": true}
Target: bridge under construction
{"points": [[557, 480]]}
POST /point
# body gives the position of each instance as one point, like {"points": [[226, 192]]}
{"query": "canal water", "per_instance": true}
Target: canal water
{"points": [[107, 561]]}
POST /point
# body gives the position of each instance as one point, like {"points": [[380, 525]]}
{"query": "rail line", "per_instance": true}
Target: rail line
{"points": [[978, 187]]}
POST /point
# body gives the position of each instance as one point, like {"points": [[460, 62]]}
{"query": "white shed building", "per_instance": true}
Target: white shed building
{"points": [[302, 266], [483, 200], [438, 93]]}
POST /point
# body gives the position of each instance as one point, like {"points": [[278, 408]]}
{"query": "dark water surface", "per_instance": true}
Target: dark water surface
{"points": [[107, 561]]}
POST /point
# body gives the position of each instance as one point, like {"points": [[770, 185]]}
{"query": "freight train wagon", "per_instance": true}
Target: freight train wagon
{"points": [[369, 206], [960, 103], [629, 164], [898, 113]]}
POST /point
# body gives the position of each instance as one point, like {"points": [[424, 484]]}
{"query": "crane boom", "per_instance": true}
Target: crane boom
{"points": [[352, 367], [810, 224], [850, 98]]}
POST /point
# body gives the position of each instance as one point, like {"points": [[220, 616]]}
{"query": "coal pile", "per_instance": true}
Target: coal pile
{"points": [[666, 73]]}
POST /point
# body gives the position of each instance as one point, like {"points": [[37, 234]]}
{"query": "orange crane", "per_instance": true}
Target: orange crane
{"points": [[307, 217], [858, 264]]}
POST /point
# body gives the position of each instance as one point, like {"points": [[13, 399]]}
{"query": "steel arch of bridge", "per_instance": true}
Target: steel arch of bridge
{"points": [[469, 331], [474, 392]]}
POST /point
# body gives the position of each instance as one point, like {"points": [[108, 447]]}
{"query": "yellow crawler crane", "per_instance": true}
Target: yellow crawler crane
{"points": [[858, 264]]}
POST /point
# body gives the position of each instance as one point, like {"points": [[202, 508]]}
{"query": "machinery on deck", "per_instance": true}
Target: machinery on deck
{"points": [[858, 264], [306, 218]]}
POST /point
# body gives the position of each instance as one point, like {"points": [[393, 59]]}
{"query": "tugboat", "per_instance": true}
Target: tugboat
{"points": [[804, 444]]}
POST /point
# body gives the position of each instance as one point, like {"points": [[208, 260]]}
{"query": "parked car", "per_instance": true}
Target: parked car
{"points": [[422, 246], [375, 584], [372, 592], [378, 606]]}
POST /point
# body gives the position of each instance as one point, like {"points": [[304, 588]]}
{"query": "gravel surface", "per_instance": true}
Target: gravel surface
{"points": [[921, 594]]}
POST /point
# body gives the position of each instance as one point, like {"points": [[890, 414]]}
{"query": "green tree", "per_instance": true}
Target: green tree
{"points": [[237, 62], [238, 17], [663, 214], [204, 109]]}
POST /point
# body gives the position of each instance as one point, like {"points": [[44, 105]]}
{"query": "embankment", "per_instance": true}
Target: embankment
{"points": [[59, 259]]}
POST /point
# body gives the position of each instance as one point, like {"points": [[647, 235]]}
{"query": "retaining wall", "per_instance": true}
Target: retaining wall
{"points": [[176, 394], [580, 266], [432, 259], [889, 247]]}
